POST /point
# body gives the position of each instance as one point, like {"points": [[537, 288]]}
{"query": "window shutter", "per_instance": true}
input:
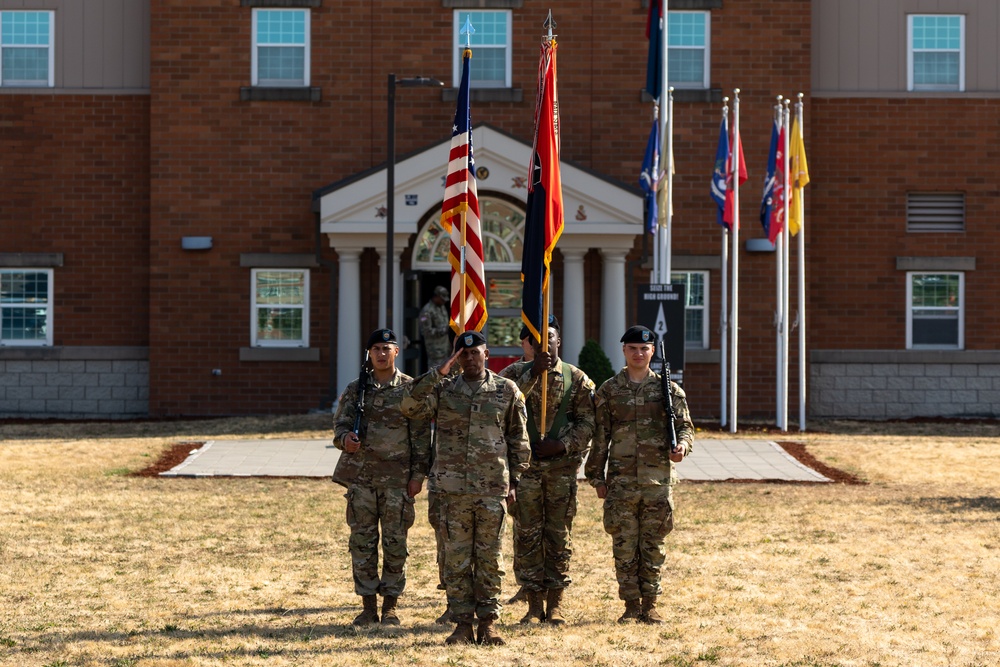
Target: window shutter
{"points": [[935, 212]]}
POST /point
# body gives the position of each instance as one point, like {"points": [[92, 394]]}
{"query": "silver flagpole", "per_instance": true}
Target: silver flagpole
{"points": [[779, 311], [734, 318], [786, 234], [665, 263], [666, 122], [801, 202], [724, 310]]}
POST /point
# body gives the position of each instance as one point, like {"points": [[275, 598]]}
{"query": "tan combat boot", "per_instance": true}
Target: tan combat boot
{"points": [[486, 635], [389, 616], [536, 608], [649, 613], [461, 635], [552, 613], [445, 618], [370, 613], [520, 596], [632, 612]]}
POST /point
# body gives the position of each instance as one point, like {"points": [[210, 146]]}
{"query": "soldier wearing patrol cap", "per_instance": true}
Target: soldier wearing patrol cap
{"points": [[631, 466], [383, 466], [435, 323], [481, 450]]}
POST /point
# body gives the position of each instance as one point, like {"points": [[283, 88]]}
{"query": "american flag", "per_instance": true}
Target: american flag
{"points": [[460, 218]]}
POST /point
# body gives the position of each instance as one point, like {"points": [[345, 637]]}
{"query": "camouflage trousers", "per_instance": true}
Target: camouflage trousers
{"points": [[473, 565], [367, 510], [543, 545], [638, 517], [434, 518]]}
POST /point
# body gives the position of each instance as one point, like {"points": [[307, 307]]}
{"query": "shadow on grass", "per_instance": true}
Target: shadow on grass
{"points": [[957, 504]]}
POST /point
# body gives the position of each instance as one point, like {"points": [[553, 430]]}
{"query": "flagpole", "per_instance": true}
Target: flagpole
{"points": [[779, 312], [734, 317], [666, 264], [801, 203], [785, 283], [724, 310], [666, 140], [550, 42], [655, 276]]}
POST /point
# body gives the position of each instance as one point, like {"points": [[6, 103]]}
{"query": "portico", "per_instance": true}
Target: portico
{"points": [[599, 213]]}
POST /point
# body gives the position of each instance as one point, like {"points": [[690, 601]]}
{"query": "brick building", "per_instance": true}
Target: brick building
{"points": [[192, 217]]}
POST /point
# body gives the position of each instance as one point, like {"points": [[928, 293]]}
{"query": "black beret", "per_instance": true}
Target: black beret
{"points": [[469, 339], [381, 336], [638, 334], [524, 331], [553, 322]]}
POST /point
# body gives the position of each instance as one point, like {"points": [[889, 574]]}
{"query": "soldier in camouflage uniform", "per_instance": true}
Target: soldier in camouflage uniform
{"points": [[481, 450], [631, 466], [435, 323], [383, 466], [546, 503]]}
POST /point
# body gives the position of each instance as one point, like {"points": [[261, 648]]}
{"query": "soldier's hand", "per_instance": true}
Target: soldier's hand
{"points": [[445, 368], [544, 361], [678, 455], [602, 491], [413, 488], [352, 443], [548, 448]]}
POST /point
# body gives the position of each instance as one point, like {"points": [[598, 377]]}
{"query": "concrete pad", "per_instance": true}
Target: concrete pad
{"points": [[712, 460]]}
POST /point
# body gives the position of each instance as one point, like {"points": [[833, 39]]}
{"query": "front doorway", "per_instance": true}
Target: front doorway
{"points": [[502, 219]]}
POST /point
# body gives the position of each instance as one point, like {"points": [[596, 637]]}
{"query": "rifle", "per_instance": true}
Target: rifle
{"points": [[359, 405], [667, 396]]}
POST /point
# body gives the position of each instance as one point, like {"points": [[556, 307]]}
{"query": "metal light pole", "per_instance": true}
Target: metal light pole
{"points": [[390, 184]]}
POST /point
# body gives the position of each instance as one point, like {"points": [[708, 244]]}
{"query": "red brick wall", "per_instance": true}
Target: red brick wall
{"points": [[74, 178]]}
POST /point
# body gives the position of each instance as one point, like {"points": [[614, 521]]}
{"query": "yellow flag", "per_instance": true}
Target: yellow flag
{"points": [[664, 198], [799, 178]]}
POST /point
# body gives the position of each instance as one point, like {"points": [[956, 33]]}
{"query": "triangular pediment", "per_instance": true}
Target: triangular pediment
{"points": [[356, 206]]}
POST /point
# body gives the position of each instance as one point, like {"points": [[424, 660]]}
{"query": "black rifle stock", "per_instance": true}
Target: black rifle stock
{"points": [[359, 405], [668, 397]]}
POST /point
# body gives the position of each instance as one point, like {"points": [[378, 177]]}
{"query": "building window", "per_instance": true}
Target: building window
{"points": [[491, 48], [280, 308], [280, 48], [688, 36], [695, 319], [25, 307], [935, 311], [936, 52], [935, 212], [26, 40]]}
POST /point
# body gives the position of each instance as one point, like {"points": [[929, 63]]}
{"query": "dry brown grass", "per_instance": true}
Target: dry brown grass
{"points": [[99, 568]]}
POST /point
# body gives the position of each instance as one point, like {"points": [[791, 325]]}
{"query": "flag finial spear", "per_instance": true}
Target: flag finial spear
{"points": [[725, 106], [468, 31], [549, 25]]}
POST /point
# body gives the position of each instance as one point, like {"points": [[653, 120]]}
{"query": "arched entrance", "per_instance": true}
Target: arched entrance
{"points": [[502, 219]]}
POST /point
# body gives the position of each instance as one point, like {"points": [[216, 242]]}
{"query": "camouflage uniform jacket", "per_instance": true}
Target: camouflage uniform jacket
{"points": [[434, 325], [578, 430], [481, 441], [631, 437], [394, 450]]}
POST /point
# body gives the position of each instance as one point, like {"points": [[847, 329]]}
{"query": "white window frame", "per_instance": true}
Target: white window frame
{"points": [[458, 44], [959, 309], [681, 276], [910, 85], [707, 78], [307, 57], [48, 307], [51, 77], [255, 341]]}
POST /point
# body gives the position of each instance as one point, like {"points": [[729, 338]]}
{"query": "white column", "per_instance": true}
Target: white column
{"points": [[349, 343], [573, 322], [613, 299]]}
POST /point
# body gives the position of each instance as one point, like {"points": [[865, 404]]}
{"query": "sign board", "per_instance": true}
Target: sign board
{"points": [[661, 308]]}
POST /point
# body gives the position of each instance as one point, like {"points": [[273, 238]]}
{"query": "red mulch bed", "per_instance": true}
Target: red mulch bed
{"points": [[798, 451], [171, 458]]}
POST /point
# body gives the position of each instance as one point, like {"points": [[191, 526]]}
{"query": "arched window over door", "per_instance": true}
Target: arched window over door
{"points": [[502, 221]]}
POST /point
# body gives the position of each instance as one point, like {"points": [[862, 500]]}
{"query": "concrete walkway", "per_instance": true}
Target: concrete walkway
{"points": [[712, 460]]}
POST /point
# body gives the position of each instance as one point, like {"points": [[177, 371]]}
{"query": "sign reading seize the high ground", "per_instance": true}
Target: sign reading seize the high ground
{"points": [[661, 308]]}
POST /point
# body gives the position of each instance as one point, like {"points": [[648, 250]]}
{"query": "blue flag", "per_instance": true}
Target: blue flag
{"points": [[649, 177], [654, 59], [767, 200], [719, 185]]}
